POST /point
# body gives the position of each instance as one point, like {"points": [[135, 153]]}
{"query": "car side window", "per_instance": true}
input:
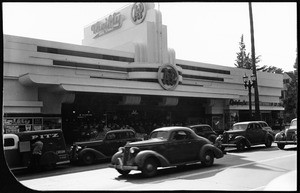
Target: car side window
{"points": [[9, 142], [111, 136], [179, 135], [250, 127], [257, 126]]}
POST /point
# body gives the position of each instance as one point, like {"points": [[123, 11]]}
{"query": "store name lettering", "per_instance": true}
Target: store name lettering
{"points": [[107, 25], [45, 136], [237, 102]]}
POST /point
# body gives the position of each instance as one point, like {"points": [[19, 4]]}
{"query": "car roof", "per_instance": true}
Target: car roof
{"points": [[245, 122], [120, 130], [198, 125], [172, 128]]}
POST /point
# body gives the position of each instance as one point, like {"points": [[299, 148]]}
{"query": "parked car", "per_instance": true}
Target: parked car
{"points": [[204, 130], [288, 136], [90, 151], [18, 149], [244, 134], [266, 127], [167, 146]]}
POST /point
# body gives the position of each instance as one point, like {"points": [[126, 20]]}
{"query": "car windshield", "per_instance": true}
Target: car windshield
{"points": [[240, 127], [159, 134], [294, 122]]}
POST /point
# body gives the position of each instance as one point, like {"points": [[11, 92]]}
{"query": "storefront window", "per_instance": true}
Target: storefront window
{"points": [[23, 124]]}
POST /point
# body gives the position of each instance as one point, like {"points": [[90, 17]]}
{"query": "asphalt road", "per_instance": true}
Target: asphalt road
{"points": [[252, 169]]}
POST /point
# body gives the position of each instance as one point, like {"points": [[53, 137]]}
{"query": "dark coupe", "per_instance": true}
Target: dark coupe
{"points": [[167, 146]]}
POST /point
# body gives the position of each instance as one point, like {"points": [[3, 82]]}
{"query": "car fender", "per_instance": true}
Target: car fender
{"points": [[115, 157], [240, 138], [268, 135], [98, 155], [217, 152], [143, 155], [280, 136]]}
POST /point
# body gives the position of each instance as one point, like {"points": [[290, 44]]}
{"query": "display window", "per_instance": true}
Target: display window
{"points": [[23, 124]]}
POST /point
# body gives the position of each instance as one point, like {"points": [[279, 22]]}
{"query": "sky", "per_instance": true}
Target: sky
{"points": [[197, 31]]}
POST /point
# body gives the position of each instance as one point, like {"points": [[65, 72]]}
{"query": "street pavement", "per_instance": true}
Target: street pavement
{"points": [[254, 169]]}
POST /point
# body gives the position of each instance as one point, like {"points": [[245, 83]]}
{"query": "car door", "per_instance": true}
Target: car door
{"points": [[251, 134], [180, 148], [255, 133], [260, 133]]}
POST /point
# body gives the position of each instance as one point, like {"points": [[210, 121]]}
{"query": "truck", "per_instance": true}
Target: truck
{"points": [[18, 149]]}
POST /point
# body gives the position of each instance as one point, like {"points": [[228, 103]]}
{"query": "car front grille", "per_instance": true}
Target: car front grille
{"points": [[126, 155]]}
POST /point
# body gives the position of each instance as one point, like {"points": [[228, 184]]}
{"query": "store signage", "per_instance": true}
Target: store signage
{"points": [[45, 136], [138, 13], [107, 25], [168, 77], [237, 102]]}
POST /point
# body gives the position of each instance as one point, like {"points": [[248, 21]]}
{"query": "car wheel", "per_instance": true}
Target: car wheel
{"points": [[124, 172], [88, 158], [240, 146], [149, 168], [208, 158], [280, 145], [269, 142]]}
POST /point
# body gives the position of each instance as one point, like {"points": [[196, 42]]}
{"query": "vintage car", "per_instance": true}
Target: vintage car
{"points": [[288, 136], [204, 130], [18, 149], [244, 134], [88, 152], [167, 146], [266, 127]]}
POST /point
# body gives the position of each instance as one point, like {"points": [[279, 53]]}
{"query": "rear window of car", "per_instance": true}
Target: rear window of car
{"points": [[159, 134], [240, 127], [263, 124]]}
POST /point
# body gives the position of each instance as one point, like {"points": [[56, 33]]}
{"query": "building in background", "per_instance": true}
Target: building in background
{"points": [[124, 73]]}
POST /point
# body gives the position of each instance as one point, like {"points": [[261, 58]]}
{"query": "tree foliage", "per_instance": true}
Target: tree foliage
{"points": [[290, 103], [245, 61]]}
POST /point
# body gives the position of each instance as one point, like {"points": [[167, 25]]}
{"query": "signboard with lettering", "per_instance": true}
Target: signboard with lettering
{"points": [[109, 24]]}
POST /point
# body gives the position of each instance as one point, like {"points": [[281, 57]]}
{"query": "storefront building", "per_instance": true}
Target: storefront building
{"points": [[124, 73]]}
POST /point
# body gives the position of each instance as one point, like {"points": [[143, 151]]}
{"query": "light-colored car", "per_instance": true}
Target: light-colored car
{"points": [[288, 136]]}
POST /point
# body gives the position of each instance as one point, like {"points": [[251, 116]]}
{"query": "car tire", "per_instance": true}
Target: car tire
{"points": [[280, 145], [149, 168], [88, 158], [240, 146], [124, 172], [269, 142], [208, 158]]}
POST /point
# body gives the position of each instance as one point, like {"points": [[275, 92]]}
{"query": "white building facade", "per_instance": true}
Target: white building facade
{"points": [[123, 71]]}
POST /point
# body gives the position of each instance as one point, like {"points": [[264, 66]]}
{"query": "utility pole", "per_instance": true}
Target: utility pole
{"points": [[256, 95]]}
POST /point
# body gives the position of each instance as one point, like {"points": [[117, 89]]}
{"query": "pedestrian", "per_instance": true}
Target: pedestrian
{"points": [[37, 147]]}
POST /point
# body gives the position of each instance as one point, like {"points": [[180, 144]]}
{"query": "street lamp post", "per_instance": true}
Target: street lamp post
{"points": [[249, 84]]}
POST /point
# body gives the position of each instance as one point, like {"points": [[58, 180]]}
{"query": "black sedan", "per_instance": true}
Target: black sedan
{"points": [[204, 130]]}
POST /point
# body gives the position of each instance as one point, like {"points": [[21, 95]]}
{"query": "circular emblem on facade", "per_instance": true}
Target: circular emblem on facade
{"points": [[138, 13], [168, 77]]}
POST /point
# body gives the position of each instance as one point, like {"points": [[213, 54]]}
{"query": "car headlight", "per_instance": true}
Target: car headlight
{"points": [[230, 136], [133, 150], [121, 149]]}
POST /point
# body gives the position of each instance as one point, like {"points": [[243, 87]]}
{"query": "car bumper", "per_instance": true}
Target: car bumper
{"points": [[228, 145], [287, 142], [121, 166]]}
